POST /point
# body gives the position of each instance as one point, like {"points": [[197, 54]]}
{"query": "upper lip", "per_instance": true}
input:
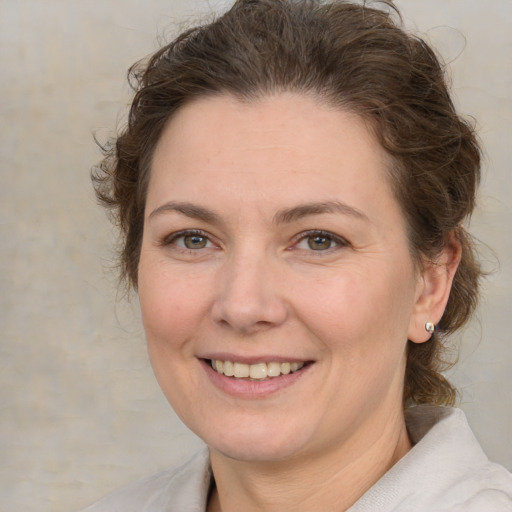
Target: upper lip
{"points": [[253, 359]]}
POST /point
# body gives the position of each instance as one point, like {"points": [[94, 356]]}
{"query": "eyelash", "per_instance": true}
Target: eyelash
{"points": [[338, 241], [172, 239]]}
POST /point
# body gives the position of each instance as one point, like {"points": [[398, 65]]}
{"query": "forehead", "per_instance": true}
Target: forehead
{"points": [[289, 147], [287, 116]]}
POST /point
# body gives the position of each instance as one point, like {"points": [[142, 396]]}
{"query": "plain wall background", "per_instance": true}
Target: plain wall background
{"points": [[81, 413]]}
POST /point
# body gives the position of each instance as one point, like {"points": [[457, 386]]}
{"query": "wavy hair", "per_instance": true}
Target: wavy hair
{"points": [[355, 57]]}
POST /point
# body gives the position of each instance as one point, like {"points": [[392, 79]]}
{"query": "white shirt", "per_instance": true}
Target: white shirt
{"points": [[446, 470]]}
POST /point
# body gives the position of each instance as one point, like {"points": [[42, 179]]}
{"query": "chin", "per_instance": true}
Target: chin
{"points": [[257, 443], [249, 452]]}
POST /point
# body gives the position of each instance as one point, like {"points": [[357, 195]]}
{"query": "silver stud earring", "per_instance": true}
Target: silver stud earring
{"points": [[430, 327]]}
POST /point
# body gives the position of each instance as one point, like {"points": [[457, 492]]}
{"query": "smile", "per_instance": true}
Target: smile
{"points": [[258, 371]]}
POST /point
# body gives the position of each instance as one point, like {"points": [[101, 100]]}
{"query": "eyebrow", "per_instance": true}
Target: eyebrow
{"points": [[281, 217], [304, 210], [188, 209]]}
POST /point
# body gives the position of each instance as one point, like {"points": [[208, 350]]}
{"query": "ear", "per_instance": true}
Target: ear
{"points": [[433, 290]]}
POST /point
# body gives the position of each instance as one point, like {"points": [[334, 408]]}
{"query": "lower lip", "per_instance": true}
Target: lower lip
{"points": [[252, 389]]}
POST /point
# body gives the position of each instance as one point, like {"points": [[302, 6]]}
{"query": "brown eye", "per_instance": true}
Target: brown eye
{"points": [[195, 241], [319, 242]]}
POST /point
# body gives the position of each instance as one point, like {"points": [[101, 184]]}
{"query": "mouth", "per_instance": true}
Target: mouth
{"points": [[258, 371]]}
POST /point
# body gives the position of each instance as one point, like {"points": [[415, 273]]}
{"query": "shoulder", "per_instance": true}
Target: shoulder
{"points": [[183, 489], [456, 472], [487, 488], [445, 471]]}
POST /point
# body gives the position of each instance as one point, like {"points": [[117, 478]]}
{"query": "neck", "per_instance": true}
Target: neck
{"points": [[331, 480]]}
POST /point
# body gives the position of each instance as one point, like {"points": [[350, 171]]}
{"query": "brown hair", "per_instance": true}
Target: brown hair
{"points": [[351, 56]]}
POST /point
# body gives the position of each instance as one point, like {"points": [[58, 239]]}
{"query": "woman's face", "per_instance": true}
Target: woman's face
{"points": [[272, 240]]}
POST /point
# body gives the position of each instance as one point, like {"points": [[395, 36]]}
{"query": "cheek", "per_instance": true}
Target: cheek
{"points": [[171, 313], [170, 306], [359, 313]]}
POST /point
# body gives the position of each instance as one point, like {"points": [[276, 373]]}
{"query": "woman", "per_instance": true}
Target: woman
{"points": [[292, 188]]}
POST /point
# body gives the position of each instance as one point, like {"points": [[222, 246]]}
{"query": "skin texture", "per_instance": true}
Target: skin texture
{"points": [[243, 177]]}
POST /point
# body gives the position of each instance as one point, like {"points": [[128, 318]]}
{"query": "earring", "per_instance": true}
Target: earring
{"points": [[430, 327]]}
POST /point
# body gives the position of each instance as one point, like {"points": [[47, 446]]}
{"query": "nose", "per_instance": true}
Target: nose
{"points": [[250, 297]]}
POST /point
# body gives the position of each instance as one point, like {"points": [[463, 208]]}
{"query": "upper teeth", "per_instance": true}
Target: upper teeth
{"points": [[254, 371]]}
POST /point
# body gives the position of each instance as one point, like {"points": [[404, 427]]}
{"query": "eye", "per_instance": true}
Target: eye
{"points": [[194, 241], [319, 241], [189, 240]]}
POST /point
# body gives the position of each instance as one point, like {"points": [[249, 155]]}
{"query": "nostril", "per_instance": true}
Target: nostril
{"points": [[249, 314]]}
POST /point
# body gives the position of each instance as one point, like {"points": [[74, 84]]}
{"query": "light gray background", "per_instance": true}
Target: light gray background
{"points": [[80, 411]]}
